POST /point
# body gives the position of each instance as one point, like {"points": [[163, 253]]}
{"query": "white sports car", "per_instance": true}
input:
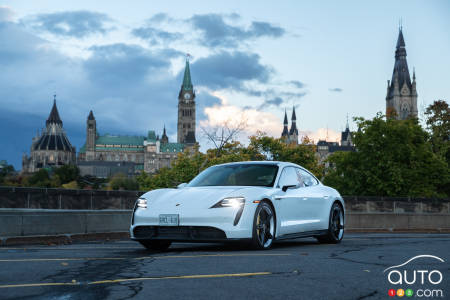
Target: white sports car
{"points": [[255, 201]]}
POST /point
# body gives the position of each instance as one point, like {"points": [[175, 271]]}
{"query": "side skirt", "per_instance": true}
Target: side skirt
{"points": [[302, 234]]}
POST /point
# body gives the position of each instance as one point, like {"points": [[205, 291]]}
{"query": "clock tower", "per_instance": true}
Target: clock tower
{"points": [[186, 110]]}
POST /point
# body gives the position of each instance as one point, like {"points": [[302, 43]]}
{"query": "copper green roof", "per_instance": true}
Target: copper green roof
{"points": [[120, 140], [151, 136], [187, 83], [171, 147]]}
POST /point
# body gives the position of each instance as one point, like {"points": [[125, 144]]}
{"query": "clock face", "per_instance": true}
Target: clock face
{"points": [[187, 96]]}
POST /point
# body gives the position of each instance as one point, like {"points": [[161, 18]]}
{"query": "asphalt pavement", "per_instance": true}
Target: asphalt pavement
{"points": [[297, 269]]}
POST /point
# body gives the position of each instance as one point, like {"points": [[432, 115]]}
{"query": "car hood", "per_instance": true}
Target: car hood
{"points": [[196, 197]]}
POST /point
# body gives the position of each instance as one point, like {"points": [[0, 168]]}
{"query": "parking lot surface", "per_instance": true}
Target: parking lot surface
{"points": [[297, 269]]}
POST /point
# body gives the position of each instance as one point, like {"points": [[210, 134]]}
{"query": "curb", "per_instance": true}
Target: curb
{"points": [[62, 239]]}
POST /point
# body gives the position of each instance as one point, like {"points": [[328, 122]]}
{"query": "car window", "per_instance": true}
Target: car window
{"points": [[237, 175], [288, 177], [307, 178]]}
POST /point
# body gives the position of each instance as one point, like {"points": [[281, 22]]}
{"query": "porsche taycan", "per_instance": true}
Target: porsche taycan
{"points": [[255, 202]]}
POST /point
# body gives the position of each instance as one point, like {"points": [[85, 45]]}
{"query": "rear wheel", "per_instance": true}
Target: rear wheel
{"points": [[336, 226], [263, 227], [155, 244]]}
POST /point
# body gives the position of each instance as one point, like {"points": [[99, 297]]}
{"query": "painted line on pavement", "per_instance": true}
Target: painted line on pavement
{"points": [[134, 279], [139, 258]]}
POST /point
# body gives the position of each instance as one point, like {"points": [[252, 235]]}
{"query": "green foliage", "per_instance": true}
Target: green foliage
{"points": [[67, 173], [121, 182], [261, 147], [39, 179], [5, 171], [438, 125], [393, 158]]}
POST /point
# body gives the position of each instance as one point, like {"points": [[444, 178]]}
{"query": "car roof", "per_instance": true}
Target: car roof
{"points": [[264, 162]]}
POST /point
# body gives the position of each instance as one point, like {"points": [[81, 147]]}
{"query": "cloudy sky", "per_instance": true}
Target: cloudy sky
{"points": [[252, 60]]}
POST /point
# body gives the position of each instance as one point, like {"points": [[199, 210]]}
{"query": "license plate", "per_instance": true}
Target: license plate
{"points": [[169, 220]]}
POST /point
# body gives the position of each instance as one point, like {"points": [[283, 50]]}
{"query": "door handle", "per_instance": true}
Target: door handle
{"points": [[325, 197]]}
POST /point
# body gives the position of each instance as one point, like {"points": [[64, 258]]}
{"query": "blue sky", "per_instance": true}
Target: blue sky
{"points": [[252, 60]]}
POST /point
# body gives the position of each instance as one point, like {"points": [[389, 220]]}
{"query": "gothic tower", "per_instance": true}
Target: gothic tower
{"points": [[91, 136], [285, 133], [186, 110], [401, 98], [293, 132]]}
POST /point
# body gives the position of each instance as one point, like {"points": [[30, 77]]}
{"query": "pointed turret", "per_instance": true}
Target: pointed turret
{"points": [[164, 137], [91, 116], [54, 115], [285, 132], [187, 83], [294, 123]]}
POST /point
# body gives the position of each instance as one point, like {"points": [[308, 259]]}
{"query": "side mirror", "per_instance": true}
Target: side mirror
{"points": [[181, 185], [286, 187]]}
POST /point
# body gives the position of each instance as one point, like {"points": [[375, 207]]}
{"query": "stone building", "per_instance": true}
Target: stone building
{"points": [[401, 97], [290, 136], [50, 148], [325, 148], [104, 155]]}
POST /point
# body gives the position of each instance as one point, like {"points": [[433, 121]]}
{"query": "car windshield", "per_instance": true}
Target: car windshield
{"points": [[238, 174]]}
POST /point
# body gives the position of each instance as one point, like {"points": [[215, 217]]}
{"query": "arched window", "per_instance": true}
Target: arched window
{"points": [[404, 111]]}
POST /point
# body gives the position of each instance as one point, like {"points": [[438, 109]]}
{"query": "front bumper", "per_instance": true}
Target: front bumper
{"points": [[216, 224]]}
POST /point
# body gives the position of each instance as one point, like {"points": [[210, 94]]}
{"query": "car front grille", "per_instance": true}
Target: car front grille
{"points": [[179, 233]]}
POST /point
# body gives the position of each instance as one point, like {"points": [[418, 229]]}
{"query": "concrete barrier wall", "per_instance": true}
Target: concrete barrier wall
{"points": [[32, 222], [22, 197]]}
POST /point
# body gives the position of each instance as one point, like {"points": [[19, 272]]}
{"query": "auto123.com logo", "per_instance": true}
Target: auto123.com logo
{"points": [[419, 282]]}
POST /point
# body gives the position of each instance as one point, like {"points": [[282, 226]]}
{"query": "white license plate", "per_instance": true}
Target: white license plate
{"points": [[169, 220]]}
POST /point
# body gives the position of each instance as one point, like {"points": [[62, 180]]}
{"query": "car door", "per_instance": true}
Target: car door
{"points": [[290, 202], [314, 202]]}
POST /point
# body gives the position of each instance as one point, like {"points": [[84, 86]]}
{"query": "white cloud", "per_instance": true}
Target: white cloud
{"points": [[255, 120], [322, 134]]}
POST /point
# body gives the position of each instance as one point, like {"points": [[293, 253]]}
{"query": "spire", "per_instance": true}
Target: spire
{"points": [[285, 127], [54, 115], [400, 74], [187, 83], [294, 123], [91, 116], [347, 127], [164, 137]]}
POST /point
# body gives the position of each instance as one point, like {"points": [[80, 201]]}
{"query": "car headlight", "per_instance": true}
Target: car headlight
{"points": [[141, 203], [230, 202]]}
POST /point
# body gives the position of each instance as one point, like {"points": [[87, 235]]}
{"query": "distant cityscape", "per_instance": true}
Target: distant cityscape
{"points": [[108, 154]]}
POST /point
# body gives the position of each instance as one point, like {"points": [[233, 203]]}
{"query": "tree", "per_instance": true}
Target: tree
{"points": [[5, 171], [263, 147], [392, 158], [438, 125], [223, 134], [67, 173], [39, 179], [121, 182]]}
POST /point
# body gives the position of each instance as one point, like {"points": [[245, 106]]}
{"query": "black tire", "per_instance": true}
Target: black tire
{"points": [[156, 245], [263, 227], [335, 226]]}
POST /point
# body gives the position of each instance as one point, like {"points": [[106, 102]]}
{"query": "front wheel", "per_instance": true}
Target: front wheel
{"points": [[156, 245], [263, 227], [336, 226]]}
